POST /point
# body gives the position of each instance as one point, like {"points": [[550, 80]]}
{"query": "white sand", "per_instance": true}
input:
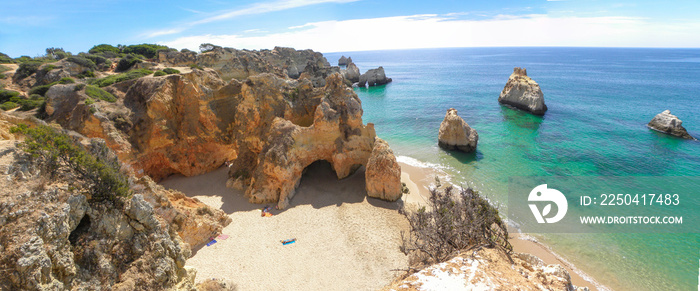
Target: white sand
{"points": [[345, 241]]}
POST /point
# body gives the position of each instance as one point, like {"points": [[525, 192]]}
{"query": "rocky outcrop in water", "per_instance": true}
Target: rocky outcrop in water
{"points": [[489, 269], [383, 173], [351, 73], [456, 134], [374, 77], [343, 61], [523, 93], [670, 124]]}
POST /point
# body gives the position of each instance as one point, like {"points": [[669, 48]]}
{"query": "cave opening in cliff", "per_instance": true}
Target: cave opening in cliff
{"points": [[80, 230], [319, 186]]}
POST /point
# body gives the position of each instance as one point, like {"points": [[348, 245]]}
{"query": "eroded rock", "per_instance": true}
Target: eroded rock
{"points": [[373, 77], [456, 134], [383, 173], [669, 124], [523, 93]]}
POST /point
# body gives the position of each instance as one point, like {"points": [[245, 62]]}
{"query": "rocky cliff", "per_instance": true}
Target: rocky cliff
{"points": [[54, 238], [523, 93], [240, 64], [489, 269], [268, 127], [670, 124], [455, 133]]}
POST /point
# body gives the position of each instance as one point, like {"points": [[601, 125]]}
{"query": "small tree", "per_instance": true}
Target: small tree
{"points": [[98, 169], [452, 223]]}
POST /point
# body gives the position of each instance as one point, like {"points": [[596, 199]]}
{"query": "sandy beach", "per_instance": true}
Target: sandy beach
{"points": [[344, 240]]}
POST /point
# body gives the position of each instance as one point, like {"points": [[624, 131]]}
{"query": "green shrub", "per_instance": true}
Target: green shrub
{"points": [[127, 62], [159, 73], [26, 69], [147, 50], [41, 90], [86, 74], [6, 95], [5, 59], [98, 93], [97, 59], [133, 74], [9, 105], [34, 101], [66, 80], [195, 66], [98, 170], [104, 48], [24, 59], [82, 61], [89, 101], [2, 76], [171, 71], [48, 68], [4, 68]]}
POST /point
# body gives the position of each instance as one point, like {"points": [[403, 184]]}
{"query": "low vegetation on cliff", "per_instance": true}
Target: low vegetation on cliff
{"points": [[451, 223], [57, 153]]}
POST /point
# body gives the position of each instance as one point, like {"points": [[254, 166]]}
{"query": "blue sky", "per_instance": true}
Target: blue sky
{"points": [[27, 27]]}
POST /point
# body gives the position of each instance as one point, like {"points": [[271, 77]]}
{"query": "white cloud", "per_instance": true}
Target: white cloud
{"points": [[424, 31], [258, 8], [266, 7]]}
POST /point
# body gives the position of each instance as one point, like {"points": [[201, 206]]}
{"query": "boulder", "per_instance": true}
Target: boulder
{"points": [[523, 93], [383, 173], [351, 73], [669, 124], [373, 77], [343, 61], [455, 133]]}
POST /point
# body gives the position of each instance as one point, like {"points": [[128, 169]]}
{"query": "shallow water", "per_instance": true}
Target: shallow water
{"points": [[599, 100]]}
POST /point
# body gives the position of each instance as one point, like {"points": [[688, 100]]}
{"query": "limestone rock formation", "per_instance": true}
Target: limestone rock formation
{"points": [[54, 238], [670, 124], [317, 75], [267, 127], [374, 77], [336, 135], [351, 73], [343, 61], [523, 93], [456, 134], [235, 64], [239, 64], [383, 173], [489, 269]]}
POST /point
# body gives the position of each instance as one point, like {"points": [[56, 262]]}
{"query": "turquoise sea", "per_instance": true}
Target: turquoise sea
{"points": [[599, 100]]}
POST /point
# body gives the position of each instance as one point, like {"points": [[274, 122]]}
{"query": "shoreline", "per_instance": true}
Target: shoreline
{"points": [[349, 245], [522, 243]]}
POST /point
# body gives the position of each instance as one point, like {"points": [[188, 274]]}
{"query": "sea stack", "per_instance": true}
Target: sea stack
{"points": [[669, 124], [455, 133], [523, 93], [383, 173], [374, 77], [343, 61]]}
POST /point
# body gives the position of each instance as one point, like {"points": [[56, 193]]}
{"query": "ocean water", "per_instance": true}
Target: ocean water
{"points": [[599, 100]]}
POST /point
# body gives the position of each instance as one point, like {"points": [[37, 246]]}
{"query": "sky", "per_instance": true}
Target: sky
{"points": [[28, 27]]}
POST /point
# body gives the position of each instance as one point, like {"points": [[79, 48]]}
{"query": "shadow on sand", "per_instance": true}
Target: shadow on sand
{"points": [[319, 187]]}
